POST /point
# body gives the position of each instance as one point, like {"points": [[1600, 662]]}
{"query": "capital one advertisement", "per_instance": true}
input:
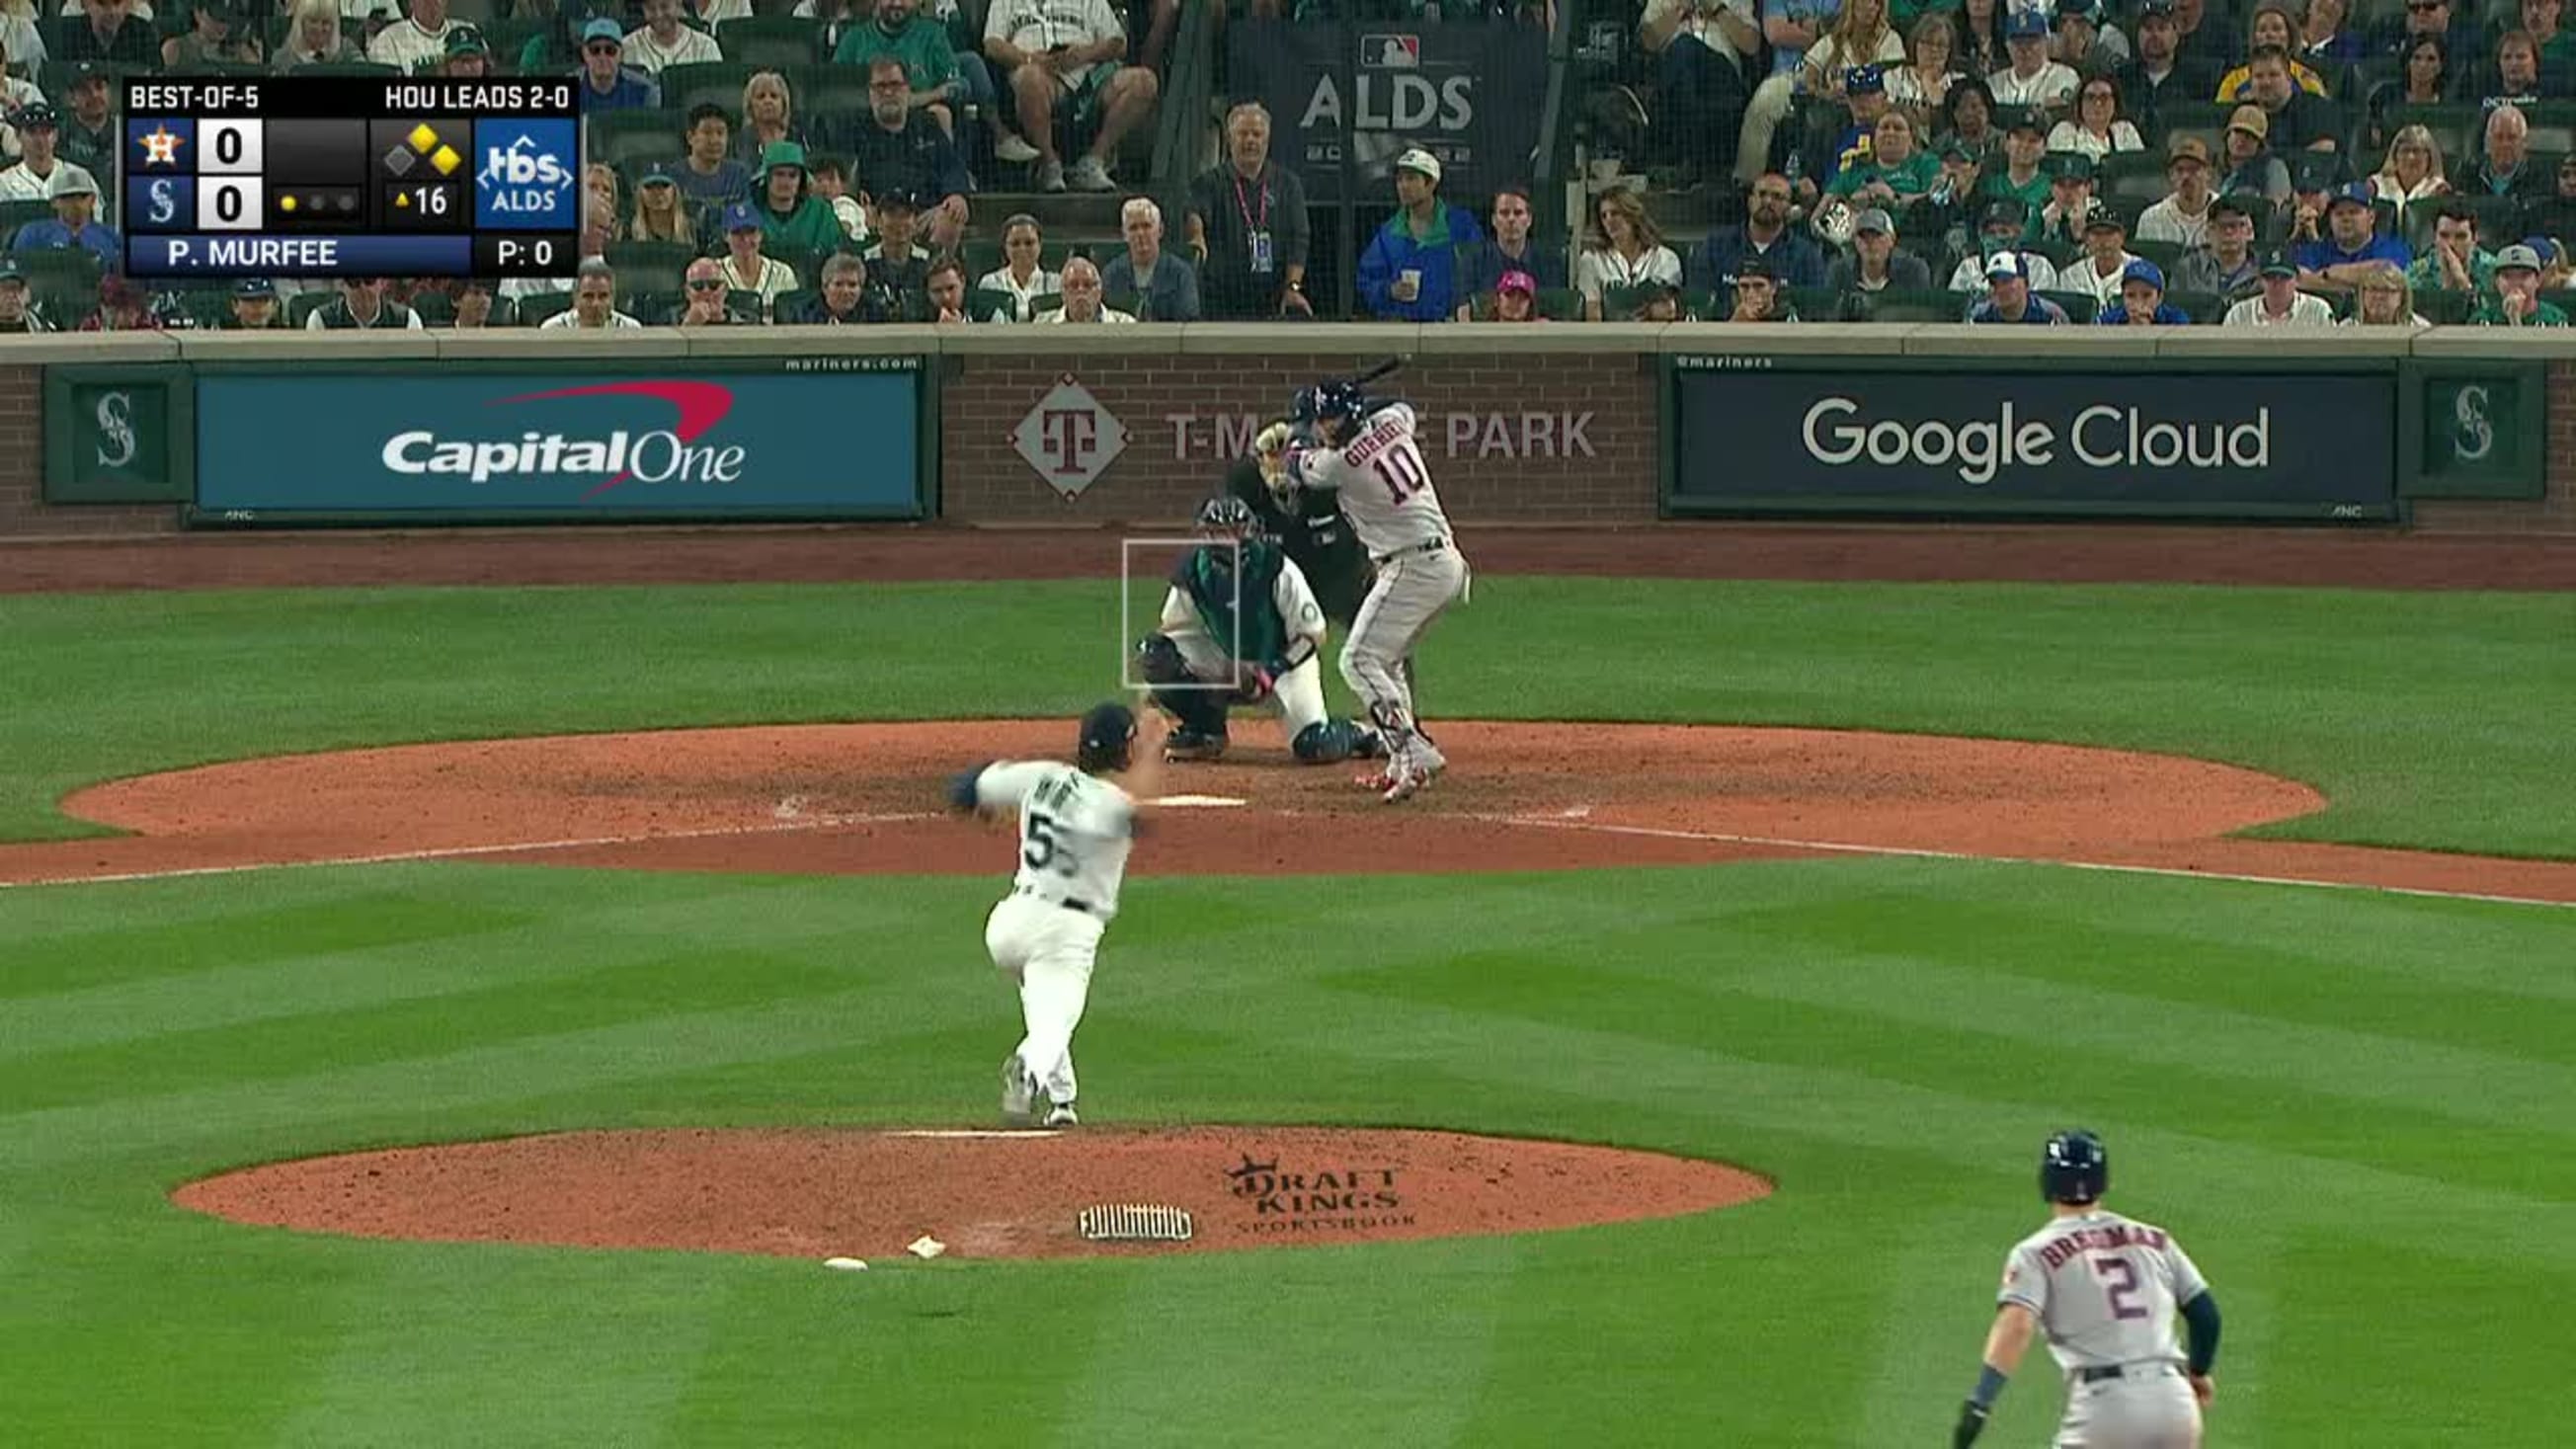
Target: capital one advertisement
{"points": [[2148, 443], [567, 443]]}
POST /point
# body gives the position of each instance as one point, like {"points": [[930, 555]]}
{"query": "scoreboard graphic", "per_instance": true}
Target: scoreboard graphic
{"points": [[350, 176]]}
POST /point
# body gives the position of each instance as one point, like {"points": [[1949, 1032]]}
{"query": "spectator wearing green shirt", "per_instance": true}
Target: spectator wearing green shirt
{"points": [[1897, 173], [2454, 262], [2516, 302], [2021, 178], [791, 216], [920, 44]]}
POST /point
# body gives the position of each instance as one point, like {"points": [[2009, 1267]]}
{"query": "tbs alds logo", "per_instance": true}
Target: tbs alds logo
{"points": [[526, 180]]}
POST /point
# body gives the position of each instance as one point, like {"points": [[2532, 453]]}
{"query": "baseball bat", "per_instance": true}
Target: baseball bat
{"points": [[1392, 364]]}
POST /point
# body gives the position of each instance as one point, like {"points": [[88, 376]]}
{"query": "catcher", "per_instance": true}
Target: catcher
{"points": [[1197, 680]]}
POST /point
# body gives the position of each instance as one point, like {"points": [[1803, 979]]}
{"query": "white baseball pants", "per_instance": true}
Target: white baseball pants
{"points": [[2151, 1408], [1296, 697], [1411, 590], [1048, 950]]}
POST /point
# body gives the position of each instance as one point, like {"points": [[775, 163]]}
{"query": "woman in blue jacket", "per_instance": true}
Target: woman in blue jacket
{"points": [[1409, 272]]}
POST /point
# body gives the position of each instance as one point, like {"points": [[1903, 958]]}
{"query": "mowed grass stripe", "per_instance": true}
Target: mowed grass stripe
{"points": [[1241, 1320], [1994, 1118], [427, 1094], [606, 1341], [2236, 1054], [2377, 698], [316, 1043]]}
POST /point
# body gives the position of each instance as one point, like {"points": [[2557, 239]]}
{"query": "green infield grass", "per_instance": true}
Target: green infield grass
{"points": [[2350, 1107], [2435, 720], [2355, 1109]]}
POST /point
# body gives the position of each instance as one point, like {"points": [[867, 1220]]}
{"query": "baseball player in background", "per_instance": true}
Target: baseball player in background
{"points": [[2104, 1288], [1077, 823], [1366, 454], [1241, 626]]}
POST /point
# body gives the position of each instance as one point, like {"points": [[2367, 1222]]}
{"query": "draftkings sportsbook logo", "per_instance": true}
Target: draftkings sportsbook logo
{"points": [[1332, 1200], [524, 175]]}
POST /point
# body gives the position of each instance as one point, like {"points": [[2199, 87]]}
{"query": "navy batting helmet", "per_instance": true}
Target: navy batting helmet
{"points": [[2074, 1167], [1228, 517], [1108, 738], [1328, 401]]}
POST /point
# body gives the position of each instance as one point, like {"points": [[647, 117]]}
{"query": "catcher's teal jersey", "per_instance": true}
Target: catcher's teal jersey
{"points": [[1206, 579]]}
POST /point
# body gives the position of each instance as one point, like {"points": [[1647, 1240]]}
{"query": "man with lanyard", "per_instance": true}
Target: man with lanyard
{"points": [[1246, 223]]}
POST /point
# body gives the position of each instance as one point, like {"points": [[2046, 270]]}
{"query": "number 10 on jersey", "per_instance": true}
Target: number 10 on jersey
{"points": [[1400, 469]]}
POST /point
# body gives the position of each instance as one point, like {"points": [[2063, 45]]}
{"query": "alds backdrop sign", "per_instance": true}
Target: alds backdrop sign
{"points": [[1469, 94]]}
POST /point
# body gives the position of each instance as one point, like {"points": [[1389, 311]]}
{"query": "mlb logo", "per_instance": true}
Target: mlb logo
{"points": [[1391, 52]]}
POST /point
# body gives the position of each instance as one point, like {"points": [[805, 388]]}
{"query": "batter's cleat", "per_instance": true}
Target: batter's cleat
{"points": [[1191, 745], [1409, 778], [1019, 1092], [1062, 1115], [1380, 780]]}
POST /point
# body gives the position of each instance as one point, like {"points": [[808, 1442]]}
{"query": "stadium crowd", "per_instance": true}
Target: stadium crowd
{"points": [[838, 162]]}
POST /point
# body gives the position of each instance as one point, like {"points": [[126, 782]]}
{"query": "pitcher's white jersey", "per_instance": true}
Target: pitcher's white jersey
{"points": [[1383, 482], [1075, 831], [2105, 1289]]}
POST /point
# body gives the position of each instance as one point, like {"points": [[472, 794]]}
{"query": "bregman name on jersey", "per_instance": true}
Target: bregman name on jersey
{"points": [[2064, 1247]]}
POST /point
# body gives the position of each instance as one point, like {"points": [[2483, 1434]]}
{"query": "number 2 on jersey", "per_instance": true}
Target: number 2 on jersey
{"points": [[1400, 469], [2123, 1294], [1045, 848]]}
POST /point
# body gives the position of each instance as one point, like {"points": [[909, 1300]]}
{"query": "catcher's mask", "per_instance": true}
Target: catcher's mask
{"points": [[1228, 517], [1108, 738]]}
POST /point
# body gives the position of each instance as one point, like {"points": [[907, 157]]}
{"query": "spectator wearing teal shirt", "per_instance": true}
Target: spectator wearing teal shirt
{"points": [[2517, 301], [1895, 174], [1409, 272]]}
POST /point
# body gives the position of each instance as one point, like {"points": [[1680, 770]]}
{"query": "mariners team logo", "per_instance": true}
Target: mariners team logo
{"points": [[524, 173]]}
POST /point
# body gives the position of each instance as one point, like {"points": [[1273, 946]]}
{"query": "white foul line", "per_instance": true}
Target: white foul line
{"points": [[458, 852], [1849, 848]]}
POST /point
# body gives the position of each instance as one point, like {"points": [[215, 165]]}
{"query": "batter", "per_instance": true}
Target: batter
{"points": [[1368, 456], [2104, 1289], [1242, 593], [1077, 823]]}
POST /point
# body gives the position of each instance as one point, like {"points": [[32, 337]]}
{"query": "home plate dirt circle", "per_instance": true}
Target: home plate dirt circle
{"points": [[868, 1194]]}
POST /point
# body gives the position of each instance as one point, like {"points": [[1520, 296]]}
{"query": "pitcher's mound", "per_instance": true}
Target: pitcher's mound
{"points": [[818, 1193]]}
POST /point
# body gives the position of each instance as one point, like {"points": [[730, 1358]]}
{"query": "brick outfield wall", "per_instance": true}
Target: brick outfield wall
{"points": [[1549, 438], [1565, 438]]}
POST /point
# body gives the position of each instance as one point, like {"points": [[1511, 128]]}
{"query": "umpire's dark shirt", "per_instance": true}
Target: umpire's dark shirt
{"points": [[1315, 537], [1231, 209]]}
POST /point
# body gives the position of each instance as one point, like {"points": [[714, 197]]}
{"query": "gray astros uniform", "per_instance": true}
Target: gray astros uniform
{"points": [[2105, 1290]]}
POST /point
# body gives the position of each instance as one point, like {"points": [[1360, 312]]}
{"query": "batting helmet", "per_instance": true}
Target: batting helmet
{"points": [[1328, 401], [1228, 517], [2074, 1167], [1108, 738]]}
